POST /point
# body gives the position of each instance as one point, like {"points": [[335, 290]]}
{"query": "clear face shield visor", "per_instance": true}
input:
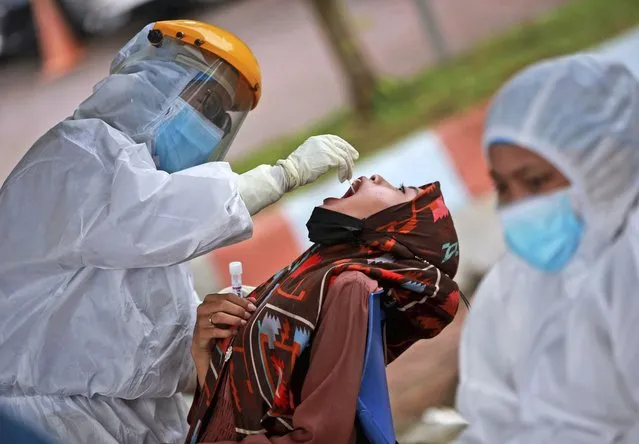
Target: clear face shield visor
{"points": [[204, 119]]}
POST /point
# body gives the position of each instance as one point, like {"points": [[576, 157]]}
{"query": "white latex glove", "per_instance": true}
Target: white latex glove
{"points": [[266, 184], [262, 186], [315, 157]]}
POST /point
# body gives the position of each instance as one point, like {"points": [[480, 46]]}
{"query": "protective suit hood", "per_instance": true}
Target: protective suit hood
{"points": [[580, 113], [143, 83]]}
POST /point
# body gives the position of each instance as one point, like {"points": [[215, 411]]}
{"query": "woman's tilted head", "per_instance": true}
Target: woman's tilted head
{"points": [[406, 222], [371, 195]]}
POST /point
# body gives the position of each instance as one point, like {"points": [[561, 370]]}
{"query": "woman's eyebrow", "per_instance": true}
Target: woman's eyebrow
{"points": [[415, 189]]}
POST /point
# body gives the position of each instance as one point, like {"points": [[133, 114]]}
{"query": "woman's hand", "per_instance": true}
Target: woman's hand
{"points": [[219, 316]]}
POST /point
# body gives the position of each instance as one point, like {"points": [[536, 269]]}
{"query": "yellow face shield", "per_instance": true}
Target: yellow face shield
{"points": [[226, 85]]}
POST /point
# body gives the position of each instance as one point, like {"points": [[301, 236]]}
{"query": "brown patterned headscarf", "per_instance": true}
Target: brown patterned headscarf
{"points": [[410, 249]]}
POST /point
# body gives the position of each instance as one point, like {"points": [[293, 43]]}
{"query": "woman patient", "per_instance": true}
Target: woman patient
{"points": [[287, 366]]}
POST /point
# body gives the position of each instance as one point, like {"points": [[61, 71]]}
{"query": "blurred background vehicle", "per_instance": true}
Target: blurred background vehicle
{"points": [[94, 17], [406, 81], [88, 18], [16, 28], [100, 16]]}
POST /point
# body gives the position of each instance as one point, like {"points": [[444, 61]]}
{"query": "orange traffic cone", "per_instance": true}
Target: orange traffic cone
{"points": [[59, 49]]}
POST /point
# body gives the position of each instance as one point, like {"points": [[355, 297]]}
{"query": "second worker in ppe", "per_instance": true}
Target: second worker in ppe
{"points": [[550, 350], [98, 219]]}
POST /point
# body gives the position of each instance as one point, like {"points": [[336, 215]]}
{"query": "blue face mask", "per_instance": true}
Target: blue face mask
{"points": [[545, 231], [185, 140]]}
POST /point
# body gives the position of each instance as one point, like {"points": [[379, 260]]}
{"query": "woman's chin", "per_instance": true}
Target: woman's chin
{"points": [[330, 201]]}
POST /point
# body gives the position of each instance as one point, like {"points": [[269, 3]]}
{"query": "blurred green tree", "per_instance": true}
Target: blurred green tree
{"points": [[338, 28]]}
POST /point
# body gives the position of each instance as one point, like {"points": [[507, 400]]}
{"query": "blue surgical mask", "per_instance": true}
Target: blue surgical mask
{"points": [[185, 140], [545, 231]]}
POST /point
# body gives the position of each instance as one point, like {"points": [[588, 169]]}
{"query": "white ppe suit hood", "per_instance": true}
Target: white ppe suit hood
{"points": [[97, 304], [551, 357], [581, 115], [144, 82]]}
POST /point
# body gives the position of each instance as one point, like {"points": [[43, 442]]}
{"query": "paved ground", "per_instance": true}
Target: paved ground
{"points": [[301, 80]]}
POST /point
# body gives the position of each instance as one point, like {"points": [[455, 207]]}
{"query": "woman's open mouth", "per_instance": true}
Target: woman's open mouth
{"points": [[351, 191], [353, 188]]}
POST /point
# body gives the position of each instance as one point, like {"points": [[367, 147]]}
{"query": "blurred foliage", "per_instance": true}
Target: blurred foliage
{"points": [[405, 106]]}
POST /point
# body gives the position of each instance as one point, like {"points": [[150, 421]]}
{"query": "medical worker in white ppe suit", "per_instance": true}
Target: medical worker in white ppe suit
{"points": [[98, 219], [550, 351]]}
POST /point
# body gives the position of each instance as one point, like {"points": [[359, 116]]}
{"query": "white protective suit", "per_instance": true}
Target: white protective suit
{"points": [[554, 358], [97, 305]]}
